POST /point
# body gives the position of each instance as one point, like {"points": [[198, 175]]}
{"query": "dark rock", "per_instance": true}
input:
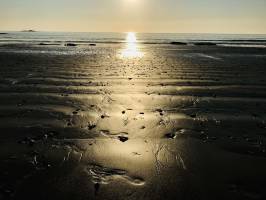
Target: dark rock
{"points": [[123, 112], [43, 44], [159, 110], [123, 138], [29, 31], [75, 112], [170, 135], [136, 153], [3, 33], [70, 45], [205, 44], [92, 44], [178, 43], [48, 44], [92, 126]]}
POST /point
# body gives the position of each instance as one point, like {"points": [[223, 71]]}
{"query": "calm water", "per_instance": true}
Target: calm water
{"points": [[155, 38]]}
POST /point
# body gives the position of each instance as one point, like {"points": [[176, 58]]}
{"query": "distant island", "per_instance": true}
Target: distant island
{"points": [[29, 31]]}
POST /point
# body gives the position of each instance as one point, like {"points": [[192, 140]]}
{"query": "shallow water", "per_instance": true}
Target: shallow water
{"points": [[85, 122], [146, 38]]}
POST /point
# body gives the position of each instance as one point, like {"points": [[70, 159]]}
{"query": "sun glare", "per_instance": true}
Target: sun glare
{"points": [[131, 38], [131, 50]]}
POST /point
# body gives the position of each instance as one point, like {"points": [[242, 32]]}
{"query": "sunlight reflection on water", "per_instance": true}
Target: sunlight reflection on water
{"points": [[132, 50]]}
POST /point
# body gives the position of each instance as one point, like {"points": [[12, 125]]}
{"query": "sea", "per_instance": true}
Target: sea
{"points": [[241, 40]]}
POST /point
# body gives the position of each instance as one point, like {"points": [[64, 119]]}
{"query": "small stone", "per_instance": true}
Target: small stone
{"points": [[170, 135], [123, 138], [32, 142], [70, 45], [92, 126], [159, 110]]}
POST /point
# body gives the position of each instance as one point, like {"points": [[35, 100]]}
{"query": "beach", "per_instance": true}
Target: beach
{"points": [[146, 121]]}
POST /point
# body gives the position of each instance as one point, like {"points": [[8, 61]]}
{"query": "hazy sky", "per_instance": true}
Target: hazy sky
{"points": [[193, 16]]}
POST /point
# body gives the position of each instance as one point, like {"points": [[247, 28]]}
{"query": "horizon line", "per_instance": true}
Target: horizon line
{"points": [[227, 33]]}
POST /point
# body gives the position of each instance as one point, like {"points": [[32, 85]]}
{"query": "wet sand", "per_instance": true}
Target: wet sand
{"points": [[181, 122]]}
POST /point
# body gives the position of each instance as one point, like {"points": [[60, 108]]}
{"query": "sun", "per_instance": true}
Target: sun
{"points": [[131, 1]]}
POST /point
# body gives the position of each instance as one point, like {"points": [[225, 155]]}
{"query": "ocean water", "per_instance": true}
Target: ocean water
{"points": [[146, 38]]}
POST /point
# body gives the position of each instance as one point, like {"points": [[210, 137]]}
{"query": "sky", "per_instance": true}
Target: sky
{"points": [[163, 16]]}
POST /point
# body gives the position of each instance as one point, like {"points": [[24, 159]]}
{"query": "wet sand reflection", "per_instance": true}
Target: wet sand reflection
{"points": [[95, 126]]}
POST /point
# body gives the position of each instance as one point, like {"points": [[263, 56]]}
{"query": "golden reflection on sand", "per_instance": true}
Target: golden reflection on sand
{"points": [[131, 50]]}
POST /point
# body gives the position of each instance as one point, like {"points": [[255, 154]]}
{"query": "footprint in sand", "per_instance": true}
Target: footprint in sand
{"points": [[104, 175]]}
